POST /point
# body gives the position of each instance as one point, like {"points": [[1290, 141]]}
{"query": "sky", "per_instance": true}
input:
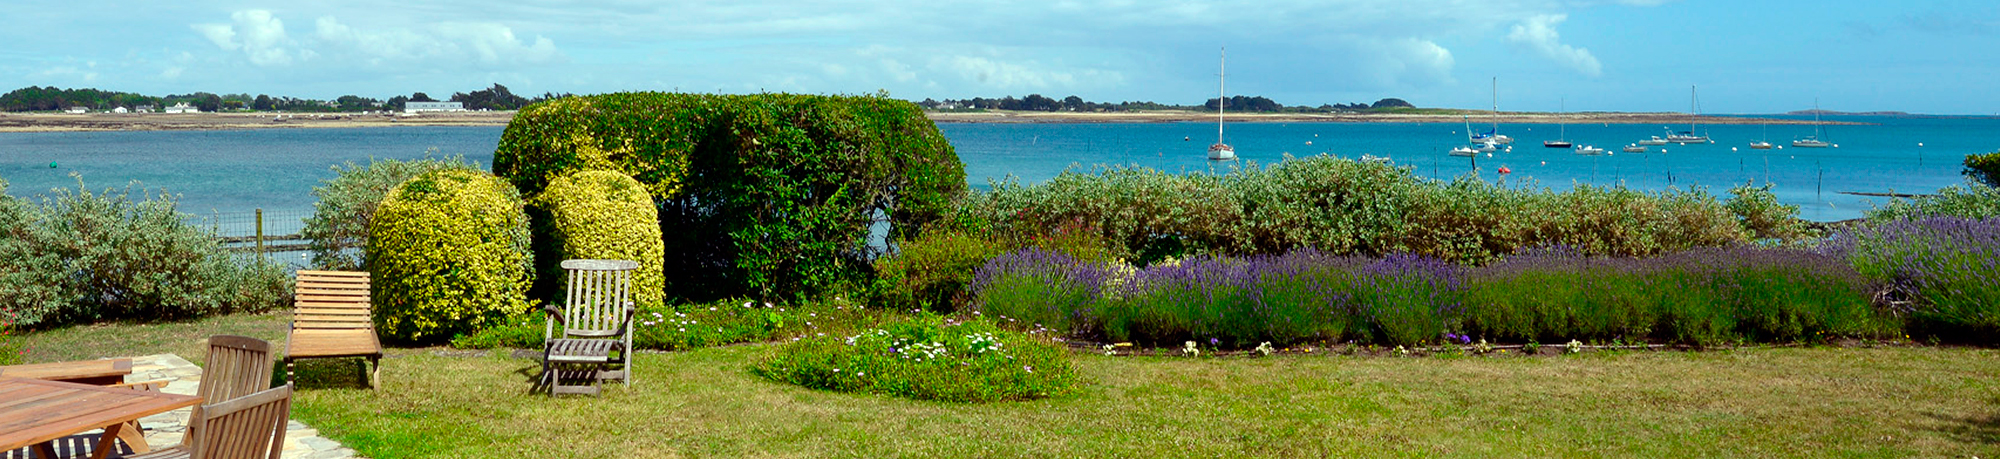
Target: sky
{"points": [[1938, 57]]}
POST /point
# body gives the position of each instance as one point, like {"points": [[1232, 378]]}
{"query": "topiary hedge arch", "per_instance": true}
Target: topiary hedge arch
{"points": [[448, 254], [768, 195]]}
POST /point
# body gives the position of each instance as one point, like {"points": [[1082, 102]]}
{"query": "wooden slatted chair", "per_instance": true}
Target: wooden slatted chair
{"points": [[330, 319], [247, 427], [236, 366], [596, 321]]}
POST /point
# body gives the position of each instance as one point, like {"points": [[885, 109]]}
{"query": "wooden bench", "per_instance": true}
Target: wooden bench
{"points": [[92, 372], [331, 319]]}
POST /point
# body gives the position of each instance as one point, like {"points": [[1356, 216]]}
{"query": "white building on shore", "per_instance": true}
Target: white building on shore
{"points": [[415, 107], [182, 107]]}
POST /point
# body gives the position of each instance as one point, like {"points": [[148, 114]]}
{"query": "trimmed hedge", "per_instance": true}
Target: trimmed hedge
{"points": [[605, 215], [338, 229], [449, 254], [769, 195]]}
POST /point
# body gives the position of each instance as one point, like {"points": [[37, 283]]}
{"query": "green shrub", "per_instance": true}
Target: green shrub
{"points": [[603, 215], [81, 256], [11, 352], [928, 358], [338, 229], [448, 251], [1970, 201], [931, 271], [1349, 207], [1761, 214], [771, 195], [1984, 168]]}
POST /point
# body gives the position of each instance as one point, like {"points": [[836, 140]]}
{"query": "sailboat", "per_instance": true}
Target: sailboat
{"points": [[1813, 141], [1562, 141], [1221, 151], [1492, 135], [1690, 136], [1588, 150], [1762, 144]]}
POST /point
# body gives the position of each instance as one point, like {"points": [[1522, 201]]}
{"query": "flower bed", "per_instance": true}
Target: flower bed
{"points": [[1701, 297], [928, 358]]}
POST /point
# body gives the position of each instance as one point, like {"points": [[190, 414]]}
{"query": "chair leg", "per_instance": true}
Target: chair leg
{"points": [[375, 375], [289, 370]]}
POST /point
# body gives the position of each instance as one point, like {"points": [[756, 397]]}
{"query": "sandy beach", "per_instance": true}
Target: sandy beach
{"points": [[59, 122]]}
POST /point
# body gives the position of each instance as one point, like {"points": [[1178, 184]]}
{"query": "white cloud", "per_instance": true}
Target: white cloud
{"points": [[1538, 33], [259, 35]]}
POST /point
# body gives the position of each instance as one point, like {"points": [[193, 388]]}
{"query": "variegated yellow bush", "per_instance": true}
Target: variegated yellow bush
{"points": [[608, 215], [449, 255]]}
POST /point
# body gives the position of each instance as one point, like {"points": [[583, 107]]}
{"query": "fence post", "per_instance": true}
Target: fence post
{"points": [[260, 234]]}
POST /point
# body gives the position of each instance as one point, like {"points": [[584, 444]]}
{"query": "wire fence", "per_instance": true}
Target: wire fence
{"points": [[274, 235]]}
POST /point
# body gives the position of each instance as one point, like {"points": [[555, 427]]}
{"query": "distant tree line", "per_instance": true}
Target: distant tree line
{"points": [[51, 98], [1038, 102]]}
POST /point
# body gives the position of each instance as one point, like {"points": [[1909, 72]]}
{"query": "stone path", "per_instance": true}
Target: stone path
{"points": [[167, 429]]}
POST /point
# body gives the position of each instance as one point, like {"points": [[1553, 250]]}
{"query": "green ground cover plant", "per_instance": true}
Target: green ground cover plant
{"points": [[337, 232], [80, 256], [928, 358], [448, 255]]}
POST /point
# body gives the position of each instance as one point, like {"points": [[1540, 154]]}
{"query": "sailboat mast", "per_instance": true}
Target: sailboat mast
{"points": [[1496, 107], [1221, 92], [1563, 103], [1694, 107]]}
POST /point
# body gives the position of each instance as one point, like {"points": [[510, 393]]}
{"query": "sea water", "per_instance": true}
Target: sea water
{"points": [[276, 169]]}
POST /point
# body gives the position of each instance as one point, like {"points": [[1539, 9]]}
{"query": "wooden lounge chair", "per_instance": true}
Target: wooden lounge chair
{"points": [[596, 321], [331, 319], [247, 427]]}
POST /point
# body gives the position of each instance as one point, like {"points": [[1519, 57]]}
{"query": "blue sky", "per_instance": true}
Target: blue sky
{"points": [[1618, 55]]}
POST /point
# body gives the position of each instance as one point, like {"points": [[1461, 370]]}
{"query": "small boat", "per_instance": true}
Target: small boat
{"points": [[1655, 141], [1463, 151], [1760, 145], [1812, 141], [1368, 158], [1634, 148], [1221, 151], [1588, 150], [1689, 136], [1487, 147], [1562, 140], [1491, 135]]}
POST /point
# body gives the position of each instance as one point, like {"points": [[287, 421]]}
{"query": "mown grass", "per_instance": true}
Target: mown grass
{"points": [[1846, 402]]}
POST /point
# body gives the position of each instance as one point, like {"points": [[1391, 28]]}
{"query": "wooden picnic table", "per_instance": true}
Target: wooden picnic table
{"points": [[36, 412], [94, 372]]}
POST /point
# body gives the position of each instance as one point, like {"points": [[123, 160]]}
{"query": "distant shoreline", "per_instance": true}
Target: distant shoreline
{"points": [[1172, 116], [97, 122]]}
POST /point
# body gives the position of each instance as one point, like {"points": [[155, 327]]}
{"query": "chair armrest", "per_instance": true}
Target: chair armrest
{"points": [[555, 312]]}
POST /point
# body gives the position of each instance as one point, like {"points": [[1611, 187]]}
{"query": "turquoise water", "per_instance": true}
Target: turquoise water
{"points": [[275, 169]]}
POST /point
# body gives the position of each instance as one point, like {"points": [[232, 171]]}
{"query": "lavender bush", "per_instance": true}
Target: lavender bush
{"points": [[1037, 286], [1941, 272]]}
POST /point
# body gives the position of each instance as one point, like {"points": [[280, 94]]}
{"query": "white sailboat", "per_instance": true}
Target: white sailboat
{"points": [[1812, 141], [1690, 136], [1764, 143], [1562, 140], [1588, 150], [1655, 141], [1221, 151], [1492, 135], [1634, 148]]}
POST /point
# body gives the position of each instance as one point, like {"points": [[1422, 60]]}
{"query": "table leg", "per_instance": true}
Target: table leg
{"points": [[108, 442], [134, 437], [46, 450]]}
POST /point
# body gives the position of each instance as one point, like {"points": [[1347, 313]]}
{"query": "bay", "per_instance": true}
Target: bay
{"points": [[230, 172]]}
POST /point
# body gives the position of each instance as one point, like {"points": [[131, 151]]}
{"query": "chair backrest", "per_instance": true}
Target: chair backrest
{"points": [[331, 300], [597, 296], [247, 427], [237, 366]]}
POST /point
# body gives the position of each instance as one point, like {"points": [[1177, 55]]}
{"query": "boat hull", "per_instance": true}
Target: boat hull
{"points": [[1220, 152]]}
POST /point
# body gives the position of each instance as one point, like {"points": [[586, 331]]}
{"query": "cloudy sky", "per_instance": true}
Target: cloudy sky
{"points": [[1625, 55]]}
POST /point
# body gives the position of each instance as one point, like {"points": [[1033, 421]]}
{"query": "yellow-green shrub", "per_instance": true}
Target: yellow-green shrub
{"points": [[449, 255], [606, 215]]}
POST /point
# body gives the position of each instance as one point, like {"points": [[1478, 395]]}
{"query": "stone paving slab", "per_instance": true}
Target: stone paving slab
{"points": [[168, 429]]}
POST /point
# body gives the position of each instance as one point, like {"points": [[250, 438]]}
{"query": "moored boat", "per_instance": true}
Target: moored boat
{"points": [[1634, 148]]}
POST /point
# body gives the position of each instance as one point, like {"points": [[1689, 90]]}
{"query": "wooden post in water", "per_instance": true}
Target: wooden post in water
{"points": [[260, 235]]}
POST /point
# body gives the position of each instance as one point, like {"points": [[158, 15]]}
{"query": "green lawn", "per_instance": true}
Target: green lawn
{"points": [[1842, 402]]}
